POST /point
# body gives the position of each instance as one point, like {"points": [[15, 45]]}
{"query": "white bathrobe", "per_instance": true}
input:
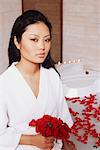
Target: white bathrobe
{"points": [[18, 105]]}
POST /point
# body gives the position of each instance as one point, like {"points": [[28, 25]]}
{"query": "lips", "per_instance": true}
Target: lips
{"points": [[41, 55]]}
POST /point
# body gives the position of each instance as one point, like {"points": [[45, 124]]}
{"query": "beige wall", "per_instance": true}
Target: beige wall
{"points": [[81, 33], [9, 10]]}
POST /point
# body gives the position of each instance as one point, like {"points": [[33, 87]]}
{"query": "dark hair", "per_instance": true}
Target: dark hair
{"points": [[19, 27]]}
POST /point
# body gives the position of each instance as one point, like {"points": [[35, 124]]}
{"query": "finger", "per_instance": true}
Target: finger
{"points": [[50, 141], [50, 145], [50, 137]]}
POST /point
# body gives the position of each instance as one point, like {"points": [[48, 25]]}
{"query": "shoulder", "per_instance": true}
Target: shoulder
{"points": [[7, 77], [3, 84], [5, 74]]}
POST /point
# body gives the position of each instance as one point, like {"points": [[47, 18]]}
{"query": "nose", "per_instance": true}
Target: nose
{"points": [[41, 45]]}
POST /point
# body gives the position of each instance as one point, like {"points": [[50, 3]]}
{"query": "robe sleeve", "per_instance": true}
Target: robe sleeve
{"points": [[63, 110], [9, 137]]}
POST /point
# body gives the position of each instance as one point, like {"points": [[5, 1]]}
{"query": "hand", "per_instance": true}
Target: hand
{"points": [[43, 142], [69, 146]]}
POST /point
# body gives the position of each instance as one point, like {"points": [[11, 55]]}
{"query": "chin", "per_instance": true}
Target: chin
{"points": [[41, 60]]}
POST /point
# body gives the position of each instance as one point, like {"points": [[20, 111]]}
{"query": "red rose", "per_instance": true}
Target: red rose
{"points": [[32, 123], [51, 126]]}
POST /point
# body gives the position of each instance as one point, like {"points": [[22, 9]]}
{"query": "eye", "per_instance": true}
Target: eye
{"points": [[48, 40], [35, 40]]}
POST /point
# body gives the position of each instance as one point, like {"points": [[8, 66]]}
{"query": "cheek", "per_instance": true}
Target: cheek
{"points": [[47, 51], [26, 48], [25, 51], [48, 47]]}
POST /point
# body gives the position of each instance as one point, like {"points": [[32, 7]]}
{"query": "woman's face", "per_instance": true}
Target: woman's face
{"points": [[35, 43]]}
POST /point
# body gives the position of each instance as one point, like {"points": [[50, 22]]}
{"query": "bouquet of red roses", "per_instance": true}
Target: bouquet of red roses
{"points": [[51, 126]]}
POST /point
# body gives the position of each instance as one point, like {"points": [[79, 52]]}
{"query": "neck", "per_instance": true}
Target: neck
{"points": [[28, 68]]}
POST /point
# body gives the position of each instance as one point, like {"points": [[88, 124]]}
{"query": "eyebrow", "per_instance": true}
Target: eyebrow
{"points": [[39, 36]]}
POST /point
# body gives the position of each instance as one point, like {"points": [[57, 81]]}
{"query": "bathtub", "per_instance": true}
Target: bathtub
{"points": [[82, 86], [78, 82]]}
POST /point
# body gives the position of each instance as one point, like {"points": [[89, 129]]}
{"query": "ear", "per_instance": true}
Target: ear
{"points": [[16, 43]]}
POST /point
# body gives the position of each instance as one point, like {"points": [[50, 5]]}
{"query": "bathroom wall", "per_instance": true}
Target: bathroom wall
{"points": [[81, 32], [9, 10]]}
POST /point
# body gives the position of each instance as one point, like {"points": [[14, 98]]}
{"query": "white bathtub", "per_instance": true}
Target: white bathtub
{"points": [[77, 83], [81, 87]]}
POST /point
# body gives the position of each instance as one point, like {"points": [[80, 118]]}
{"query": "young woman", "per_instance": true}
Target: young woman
{"points": [[31, 86]]}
